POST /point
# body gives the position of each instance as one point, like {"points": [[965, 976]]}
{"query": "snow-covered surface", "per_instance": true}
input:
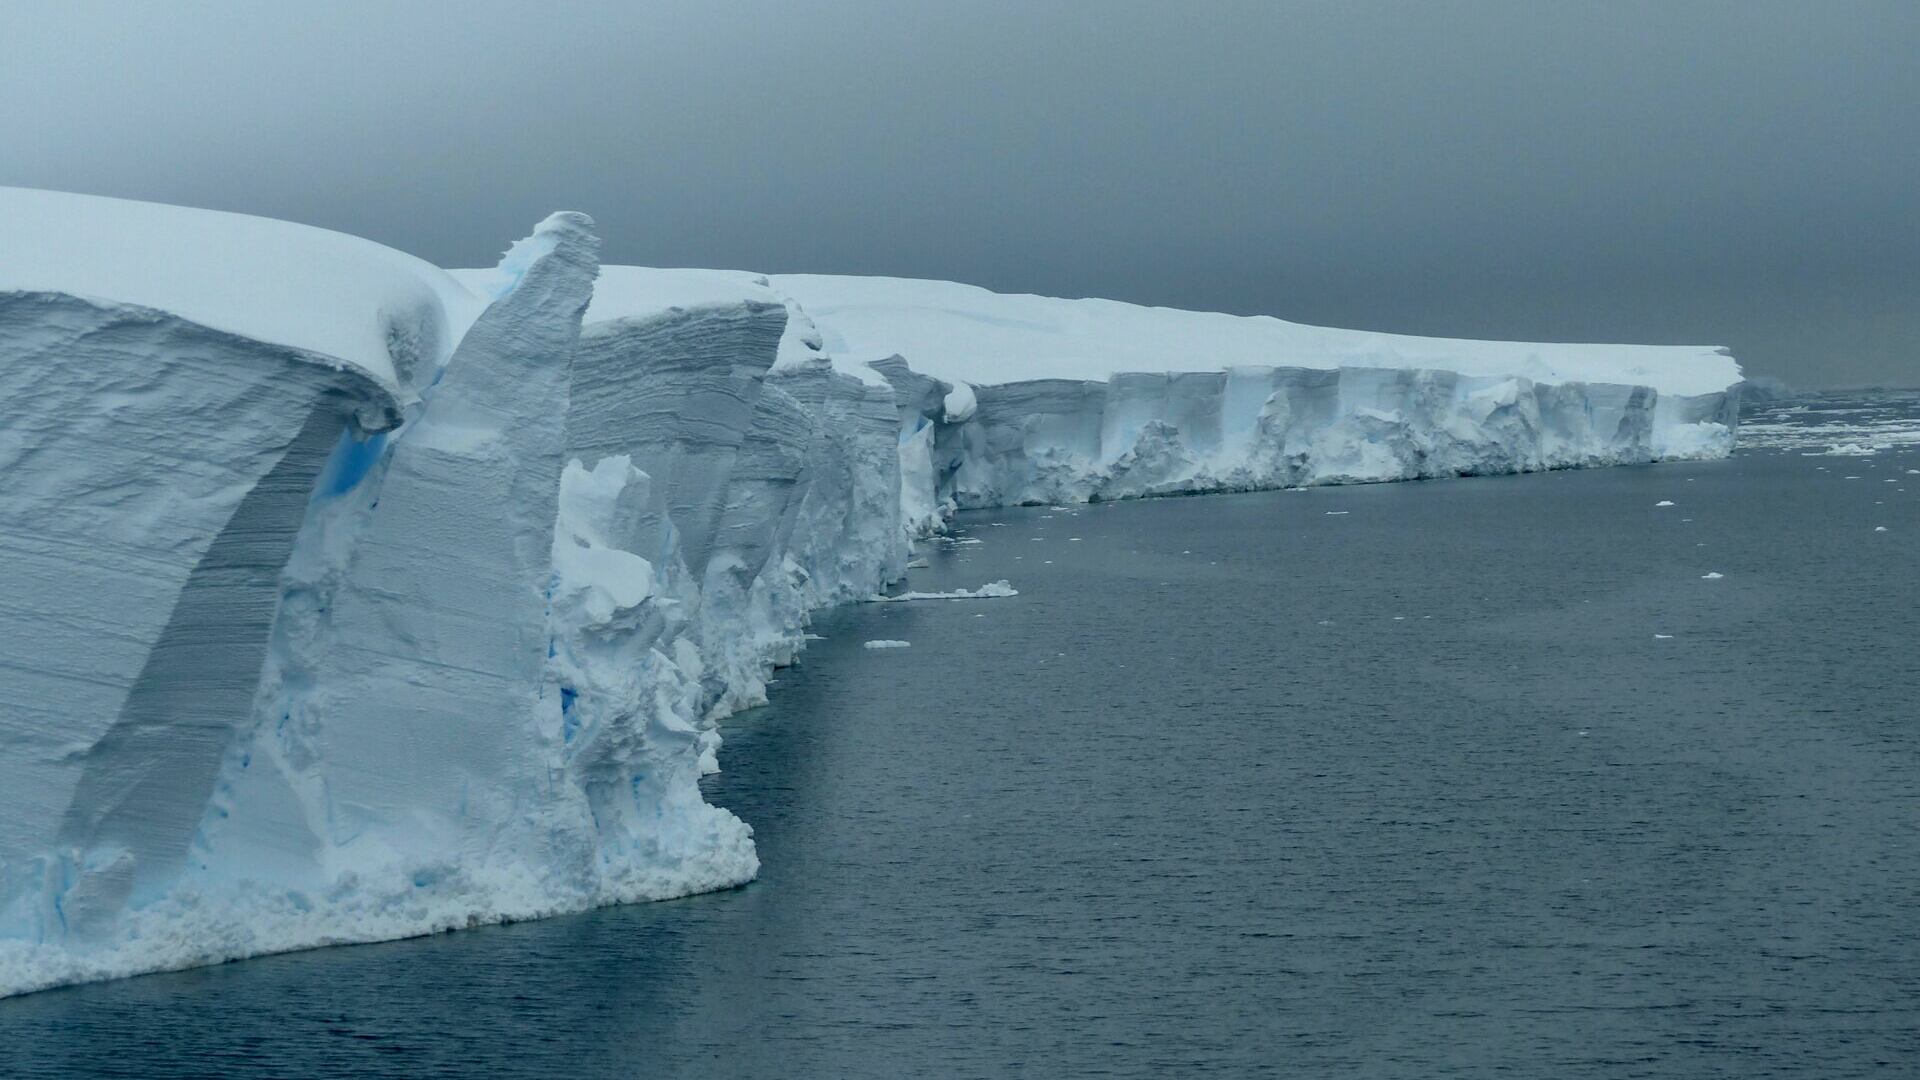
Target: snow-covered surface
{"points": [[639, 293], [344, 298], [1024, 399], [962, 332], [959, 404], [350, 599]]}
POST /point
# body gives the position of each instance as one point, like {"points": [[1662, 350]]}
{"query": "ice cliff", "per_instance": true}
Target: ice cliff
{"points": [[1031, 399], [347, 598]]}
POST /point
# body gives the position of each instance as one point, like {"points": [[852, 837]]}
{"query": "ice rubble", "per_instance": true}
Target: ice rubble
{"points": [[992, 590], [349, 599]]}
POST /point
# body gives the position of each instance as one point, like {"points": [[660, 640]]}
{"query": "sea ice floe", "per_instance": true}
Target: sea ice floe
{"points": [[885, 643], [1712, 575]]}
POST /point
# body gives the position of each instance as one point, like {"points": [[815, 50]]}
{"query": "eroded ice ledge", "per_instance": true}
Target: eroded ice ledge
{"points": [[349, 599], [1009, 399]]}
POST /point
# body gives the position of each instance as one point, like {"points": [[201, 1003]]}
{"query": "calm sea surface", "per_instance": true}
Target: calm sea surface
{"points": [[1474, 777]]}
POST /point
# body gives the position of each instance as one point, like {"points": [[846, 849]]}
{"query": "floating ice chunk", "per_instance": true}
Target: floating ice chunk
{"points": [[1337, 513], [916, 564], [1879, 528], [885, 643], [1851, 450], [1712, 575], [1664, 502], [991, 590], [1663, 637]]}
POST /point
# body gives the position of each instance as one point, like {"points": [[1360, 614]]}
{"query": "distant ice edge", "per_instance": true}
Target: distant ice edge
{"points": [[311, 657], [1140, 435]]}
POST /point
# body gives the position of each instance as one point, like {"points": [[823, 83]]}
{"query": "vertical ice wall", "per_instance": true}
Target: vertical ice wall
{"points": [[405, 715], [1137, 434], [156, 472], [311, 649], [677, 401], [342, 723], [780, 481]]}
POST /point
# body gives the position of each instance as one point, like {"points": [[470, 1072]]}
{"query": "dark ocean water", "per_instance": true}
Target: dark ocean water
{"points": [[1393, 780]]}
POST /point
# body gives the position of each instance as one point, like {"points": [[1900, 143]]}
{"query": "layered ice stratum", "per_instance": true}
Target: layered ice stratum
{"points": [[347, 598]]}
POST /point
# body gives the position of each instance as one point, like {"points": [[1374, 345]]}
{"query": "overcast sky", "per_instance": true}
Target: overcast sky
{"points": [[1743, 173]]}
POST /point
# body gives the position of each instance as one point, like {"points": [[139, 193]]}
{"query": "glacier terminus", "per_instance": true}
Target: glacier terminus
{"points": [[349, 598]]}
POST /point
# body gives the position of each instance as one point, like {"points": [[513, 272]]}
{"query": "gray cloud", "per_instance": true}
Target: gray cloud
{"points": [[1737, 172]]}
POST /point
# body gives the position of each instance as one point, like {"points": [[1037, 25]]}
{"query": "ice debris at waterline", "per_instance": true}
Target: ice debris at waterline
{"points": [[347, 598], [885, 643], [992, 590]]}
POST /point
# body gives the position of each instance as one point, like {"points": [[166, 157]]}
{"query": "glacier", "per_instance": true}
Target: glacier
{"points": [[348, 598]]}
